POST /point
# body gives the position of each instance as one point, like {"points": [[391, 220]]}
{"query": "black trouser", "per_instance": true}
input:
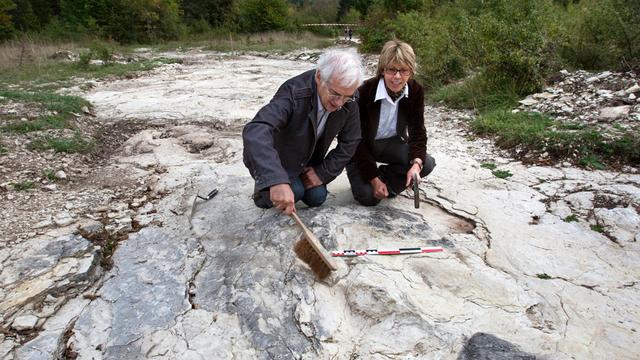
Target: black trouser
{"points": [[394, 154]]}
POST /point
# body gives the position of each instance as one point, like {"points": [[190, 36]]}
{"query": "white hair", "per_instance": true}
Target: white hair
{"points": [[343, 66]]}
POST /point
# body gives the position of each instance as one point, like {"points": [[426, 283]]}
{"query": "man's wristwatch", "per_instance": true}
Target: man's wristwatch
{"points": [[417, 161]]}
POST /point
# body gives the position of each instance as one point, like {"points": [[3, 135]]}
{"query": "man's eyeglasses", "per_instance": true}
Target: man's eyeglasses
{"points": [[345, 99], [394, 71]]}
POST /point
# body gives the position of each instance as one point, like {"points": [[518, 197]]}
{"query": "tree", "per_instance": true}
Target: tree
{"points": [[262, 15], [24, 18], [215, 12], [6, 26]]}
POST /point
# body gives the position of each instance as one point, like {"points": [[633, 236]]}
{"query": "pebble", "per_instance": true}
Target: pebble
{"points": [[24, 322]]}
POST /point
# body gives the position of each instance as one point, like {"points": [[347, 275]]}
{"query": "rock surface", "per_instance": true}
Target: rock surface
{"points": [[540, 265]]}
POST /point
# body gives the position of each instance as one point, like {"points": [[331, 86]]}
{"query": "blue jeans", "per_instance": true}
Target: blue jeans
{"points": [[313, 197]]}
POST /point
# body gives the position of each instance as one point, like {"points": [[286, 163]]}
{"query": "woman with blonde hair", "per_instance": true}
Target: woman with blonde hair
{"points": [[393, 133]]}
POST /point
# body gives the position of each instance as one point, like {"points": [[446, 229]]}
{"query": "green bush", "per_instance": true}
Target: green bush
{"points": [[479, 92], [6, 25], [101, 50], [84, 58], [262, 15], [602, 34], [377, 30], [510, 42]]}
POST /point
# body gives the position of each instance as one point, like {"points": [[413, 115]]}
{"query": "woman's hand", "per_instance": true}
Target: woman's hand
{"points": [[415, 169]]}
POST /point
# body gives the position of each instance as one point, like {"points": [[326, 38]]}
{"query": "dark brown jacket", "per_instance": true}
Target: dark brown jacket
{"points": [[410, 125], [280, 140]]}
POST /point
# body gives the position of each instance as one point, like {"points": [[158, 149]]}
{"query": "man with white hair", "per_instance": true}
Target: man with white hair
{"points": [[286, 143]]}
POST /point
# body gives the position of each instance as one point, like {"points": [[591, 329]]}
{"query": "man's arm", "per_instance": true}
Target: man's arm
{"points": [[260, 153], [348, 139]]}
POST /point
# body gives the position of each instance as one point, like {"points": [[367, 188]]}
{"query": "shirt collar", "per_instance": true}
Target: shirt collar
{"points": [[321, 109], [381, 92]]}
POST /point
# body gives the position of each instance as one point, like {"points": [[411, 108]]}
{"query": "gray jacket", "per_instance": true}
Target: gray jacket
{"points": [[280, 140]]}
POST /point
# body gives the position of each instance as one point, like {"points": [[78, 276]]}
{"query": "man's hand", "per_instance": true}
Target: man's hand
{"points": [[415, 169], [282, 198], [309, 178], [380, 190]]}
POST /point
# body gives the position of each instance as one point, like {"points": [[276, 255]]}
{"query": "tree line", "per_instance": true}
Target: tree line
{"points": [[129, 21], [506, 44]]}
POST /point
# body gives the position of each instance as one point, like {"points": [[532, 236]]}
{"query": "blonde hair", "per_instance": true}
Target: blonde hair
{"points": [[396, 51]]}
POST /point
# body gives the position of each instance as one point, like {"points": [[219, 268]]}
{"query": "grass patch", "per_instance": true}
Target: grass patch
{"points": [[3, 150], [478, 93], [75, 144], [41, 123], [60, 107], [490, 166], [597, 228], [571, 218], [54, 75], [23, 186], [263, 42], [502, 174], [50, 101], [592, 162], [539, 133], [49, 175], [543, 276]]}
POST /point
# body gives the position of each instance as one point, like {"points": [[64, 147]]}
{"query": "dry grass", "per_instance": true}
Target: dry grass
{"points": [[15, 54], [267, 41]]}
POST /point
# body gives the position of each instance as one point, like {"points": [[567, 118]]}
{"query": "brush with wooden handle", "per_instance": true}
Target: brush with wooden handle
{"points": [[310, 250]]}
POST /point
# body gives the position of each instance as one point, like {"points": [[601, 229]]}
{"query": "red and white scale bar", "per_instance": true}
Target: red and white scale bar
{"points": [[415, 250]]}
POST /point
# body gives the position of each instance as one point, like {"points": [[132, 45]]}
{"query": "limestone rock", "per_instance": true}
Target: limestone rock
{"points": [[621, 223], [24, 322], [615, 112]]}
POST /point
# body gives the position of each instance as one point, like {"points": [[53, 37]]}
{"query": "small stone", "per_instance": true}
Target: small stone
{"points": [[63, 219], [61, 175], [545, 95], [24, 322], [614, 112], [528, 101], [632, 96], [634, 89], [44, 223], [50, 187]]}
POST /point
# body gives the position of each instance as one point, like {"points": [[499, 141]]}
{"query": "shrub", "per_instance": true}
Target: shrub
{"points": [[262, 15], [603, 34], [6, 25], [511, 42]]}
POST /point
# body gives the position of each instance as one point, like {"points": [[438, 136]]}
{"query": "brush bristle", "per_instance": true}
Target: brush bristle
{"points": [[307, 253]]}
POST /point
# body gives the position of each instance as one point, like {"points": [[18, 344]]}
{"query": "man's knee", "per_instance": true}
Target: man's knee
{"points": [[429, 165], [262, 200], [315, 196], [367, 200]]}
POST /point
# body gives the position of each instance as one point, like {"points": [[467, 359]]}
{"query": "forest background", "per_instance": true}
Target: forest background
{"points": [[478, 54]]}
